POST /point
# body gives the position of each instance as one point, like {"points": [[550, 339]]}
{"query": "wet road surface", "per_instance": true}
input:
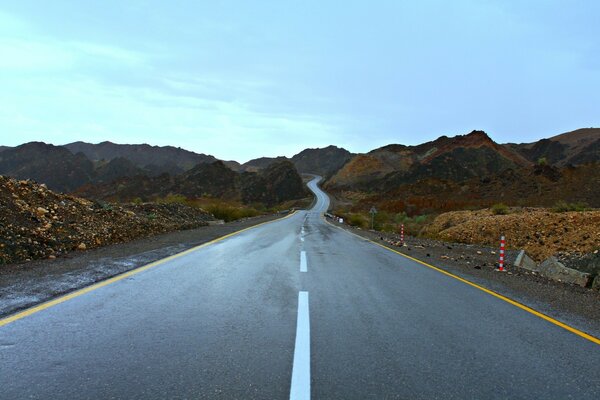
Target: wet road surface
{"points": [[292, 309]]}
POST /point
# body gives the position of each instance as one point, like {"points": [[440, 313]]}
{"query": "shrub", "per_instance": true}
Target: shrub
{"points": [[542, 161], [230, 213], [174, 199], [358, 220], [563, 206], [499, 209]]}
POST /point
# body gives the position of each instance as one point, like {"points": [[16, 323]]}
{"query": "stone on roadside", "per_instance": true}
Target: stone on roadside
{"points": [[555, 270], [81, 246], [525, 262]]}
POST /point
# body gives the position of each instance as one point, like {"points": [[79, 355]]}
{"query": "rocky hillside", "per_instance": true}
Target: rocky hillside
{"points": [[54, 166], [260, 163], [577, 147], [158, 159], [277, 183], [67, 168], [532, 186], [541, 232], [324, 161], [38, 223], [456, 159]]}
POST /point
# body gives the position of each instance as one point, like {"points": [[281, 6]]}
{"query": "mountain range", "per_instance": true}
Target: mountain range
{"points": [[435, 169]]}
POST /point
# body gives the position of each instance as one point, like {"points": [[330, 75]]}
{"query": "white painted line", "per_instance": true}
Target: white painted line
{"points": [[300, 389], [303, 264]]}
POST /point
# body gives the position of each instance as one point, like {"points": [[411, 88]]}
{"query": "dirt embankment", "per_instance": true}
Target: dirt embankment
{"points": [[540, 232], [38, 223]]}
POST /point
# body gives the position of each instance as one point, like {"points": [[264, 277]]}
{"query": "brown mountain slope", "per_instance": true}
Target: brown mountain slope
{"points": [[530, 186], [277, 183], [141, 155], [576, 147], [54, 166], [458, 158]]}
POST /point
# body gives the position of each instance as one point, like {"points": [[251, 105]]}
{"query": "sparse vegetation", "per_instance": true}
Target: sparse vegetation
{"points": [[499, 209], [230, 213], [542, 161], [387, 221], [563, 206]]}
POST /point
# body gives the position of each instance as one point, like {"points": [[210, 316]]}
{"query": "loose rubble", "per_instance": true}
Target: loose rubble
{"points": [[37, 223], [540, 232]]}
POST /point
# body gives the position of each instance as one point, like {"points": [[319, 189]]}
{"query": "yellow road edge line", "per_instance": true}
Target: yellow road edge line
{"points": [[50, 303], [515, 303]]}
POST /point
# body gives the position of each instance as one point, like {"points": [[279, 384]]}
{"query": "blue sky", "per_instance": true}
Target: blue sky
{"points": [[262, 78]]}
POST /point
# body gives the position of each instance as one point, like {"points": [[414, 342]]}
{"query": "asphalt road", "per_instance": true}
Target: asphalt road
{"points": [[292, 309]]}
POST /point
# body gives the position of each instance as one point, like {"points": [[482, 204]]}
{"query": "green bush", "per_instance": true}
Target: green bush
{"points": [[542, 161], [563, 206], [359, 220], [230, 213], [173, 199], [499, 209]]}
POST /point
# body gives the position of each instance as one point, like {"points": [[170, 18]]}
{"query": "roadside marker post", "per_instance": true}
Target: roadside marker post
{"points": [[502, 247], [373, 211], [402, 234]]}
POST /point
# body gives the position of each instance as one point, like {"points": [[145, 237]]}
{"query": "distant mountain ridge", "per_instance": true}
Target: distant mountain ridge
{"points": [[322, 161], [158, 158]]}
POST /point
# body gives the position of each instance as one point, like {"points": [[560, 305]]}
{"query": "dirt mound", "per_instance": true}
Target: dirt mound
{"points": [[38, 223], [540, 232]]}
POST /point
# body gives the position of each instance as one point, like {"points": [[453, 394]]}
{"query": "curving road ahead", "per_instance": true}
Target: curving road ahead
{"points": [[291, 309]]}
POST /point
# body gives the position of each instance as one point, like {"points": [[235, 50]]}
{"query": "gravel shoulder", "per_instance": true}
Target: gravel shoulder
{"points": [[572, 304], [27, 284]]}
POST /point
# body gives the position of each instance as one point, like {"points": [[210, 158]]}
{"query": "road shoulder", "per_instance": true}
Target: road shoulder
{"points": [[571, 304], [28, 284]]}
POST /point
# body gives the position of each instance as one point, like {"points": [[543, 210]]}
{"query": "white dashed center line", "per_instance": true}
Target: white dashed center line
{"points": [[300, 389], [303, 263]]}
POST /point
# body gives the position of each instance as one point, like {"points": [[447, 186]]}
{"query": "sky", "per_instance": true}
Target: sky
{"points": [[244, 79]]}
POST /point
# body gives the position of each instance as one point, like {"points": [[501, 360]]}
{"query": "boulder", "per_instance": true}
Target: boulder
{"points": [[555, 270], [596, 283], [525, 262]]}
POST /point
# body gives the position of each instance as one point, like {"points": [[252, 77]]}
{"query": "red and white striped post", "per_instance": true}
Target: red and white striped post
{"points": [[402, 234], [502, 247]]}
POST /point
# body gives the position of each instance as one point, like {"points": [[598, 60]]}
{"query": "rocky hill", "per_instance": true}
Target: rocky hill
{"points": [[532, 186], [325, 162], [260, 163], [54, 166], [577, 147], [38, 223], [541, 232], [277, 183], [321, 161], [158, 159], [456, 159]]}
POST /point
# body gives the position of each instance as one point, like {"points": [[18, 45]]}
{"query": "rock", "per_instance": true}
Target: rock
{"points": [[41, 211], [555, 270], [51, 257], [525, 262], [596, 283], [81, 246], [479, 252]]}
